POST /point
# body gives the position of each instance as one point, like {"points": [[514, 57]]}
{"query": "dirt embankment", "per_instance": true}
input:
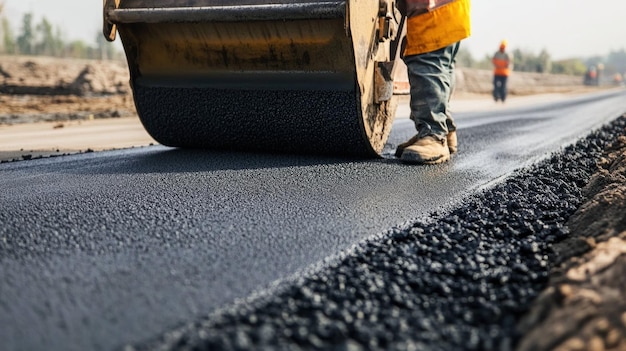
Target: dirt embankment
{"points": [[35, 75], [36, 89], [477, 81], [584, 307]]}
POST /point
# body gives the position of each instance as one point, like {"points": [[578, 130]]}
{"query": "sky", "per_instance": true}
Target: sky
{"points": [[565, 28]]}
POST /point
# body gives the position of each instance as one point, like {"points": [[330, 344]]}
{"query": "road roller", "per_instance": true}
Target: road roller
{"points": [[299, 76]]}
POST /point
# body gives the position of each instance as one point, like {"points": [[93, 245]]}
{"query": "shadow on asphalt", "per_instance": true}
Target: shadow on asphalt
{"points": [[175, 160]]}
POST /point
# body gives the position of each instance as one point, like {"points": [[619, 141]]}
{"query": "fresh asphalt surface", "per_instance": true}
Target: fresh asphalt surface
{"points": [[103, 249]]}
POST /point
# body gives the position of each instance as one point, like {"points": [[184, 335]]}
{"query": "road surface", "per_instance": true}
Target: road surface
{"points": [[99, 250]]}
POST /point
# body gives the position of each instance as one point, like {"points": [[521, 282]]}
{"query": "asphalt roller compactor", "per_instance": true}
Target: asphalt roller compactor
{"points": [[262, 75]]}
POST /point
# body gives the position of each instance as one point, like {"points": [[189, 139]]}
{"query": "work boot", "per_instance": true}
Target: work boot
{"points": [[427, 150], [404, 145], [450, 138], [452, 143]]}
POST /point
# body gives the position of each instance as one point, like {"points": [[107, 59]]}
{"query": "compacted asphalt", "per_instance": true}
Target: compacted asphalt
{"points": [[102, 250]]}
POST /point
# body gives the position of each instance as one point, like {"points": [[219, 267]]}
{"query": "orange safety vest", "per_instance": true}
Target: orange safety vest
{"points": [[438, 27], [501, 62]]}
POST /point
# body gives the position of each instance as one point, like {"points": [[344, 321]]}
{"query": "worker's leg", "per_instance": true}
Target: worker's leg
{"points": [[496, 88], [431, 77], [504, 88], [451, 137], [500, 89]]}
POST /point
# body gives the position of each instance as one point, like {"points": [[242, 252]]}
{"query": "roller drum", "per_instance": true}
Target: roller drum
{"points": [[295, 77]]}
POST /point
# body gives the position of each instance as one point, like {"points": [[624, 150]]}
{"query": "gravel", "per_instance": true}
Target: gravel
{"points": [[455, 280]]}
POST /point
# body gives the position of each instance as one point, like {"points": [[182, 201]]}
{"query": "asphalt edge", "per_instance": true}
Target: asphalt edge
{"points": [[263, 320]]}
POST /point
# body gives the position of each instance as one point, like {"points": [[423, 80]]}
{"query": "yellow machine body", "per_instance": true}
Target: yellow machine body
{"points": [[293, 76]]}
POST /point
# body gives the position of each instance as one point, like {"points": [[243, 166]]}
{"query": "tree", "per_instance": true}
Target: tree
{"points": [[58, 42], [1, 27], [47, 41], [616, 61], [105, 49], [571, 67], [78, 49], [8, 43], [544, 62], [529, 62], [485, 63], [464, 58], [26, 38]]}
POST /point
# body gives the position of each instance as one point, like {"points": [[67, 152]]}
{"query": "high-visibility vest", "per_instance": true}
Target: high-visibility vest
{"points": [[501, 64], [437, 27]]}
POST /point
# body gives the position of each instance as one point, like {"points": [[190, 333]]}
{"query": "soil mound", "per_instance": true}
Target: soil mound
{"points": [[478, 81], [34, 75], [39, 89], [100, 80], [584, 306]]}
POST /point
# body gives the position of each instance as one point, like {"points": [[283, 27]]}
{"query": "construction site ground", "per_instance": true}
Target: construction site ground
{"points": [[52, 107]]}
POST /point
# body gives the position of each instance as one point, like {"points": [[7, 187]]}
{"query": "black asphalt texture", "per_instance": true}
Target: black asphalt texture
{"points": [[106, 249], [454, 281], [258, 121]]}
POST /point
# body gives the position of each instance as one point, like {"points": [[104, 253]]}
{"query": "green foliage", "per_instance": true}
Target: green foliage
{"points": [[574, 67], [105, 50], [525, 61], [464, 58], [49, 42], [77, 48], [25, 41], [545, 61], [616, 62], [485, 63], [44, 38], [528, 62], [9, 45]]}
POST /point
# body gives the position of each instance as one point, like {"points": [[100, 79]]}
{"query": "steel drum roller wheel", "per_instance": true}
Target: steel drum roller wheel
{"points": [[296, 77]]}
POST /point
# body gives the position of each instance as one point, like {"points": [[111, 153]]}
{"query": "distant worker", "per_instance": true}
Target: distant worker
{"points": [[591, 76], [502, 64], [434, 31]]}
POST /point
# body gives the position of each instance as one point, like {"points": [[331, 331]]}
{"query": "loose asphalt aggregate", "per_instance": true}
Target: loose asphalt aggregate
{"points": [[457, 280]]}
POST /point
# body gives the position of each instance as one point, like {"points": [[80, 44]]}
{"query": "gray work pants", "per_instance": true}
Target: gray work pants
{"points": [[431, 77]]}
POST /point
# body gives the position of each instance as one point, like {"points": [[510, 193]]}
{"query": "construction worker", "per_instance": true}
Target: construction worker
{"points": [[502, 64], [434, 31]]}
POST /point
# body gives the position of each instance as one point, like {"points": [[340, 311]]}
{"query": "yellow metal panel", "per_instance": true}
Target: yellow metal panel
{"points": [[197, 48]]}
